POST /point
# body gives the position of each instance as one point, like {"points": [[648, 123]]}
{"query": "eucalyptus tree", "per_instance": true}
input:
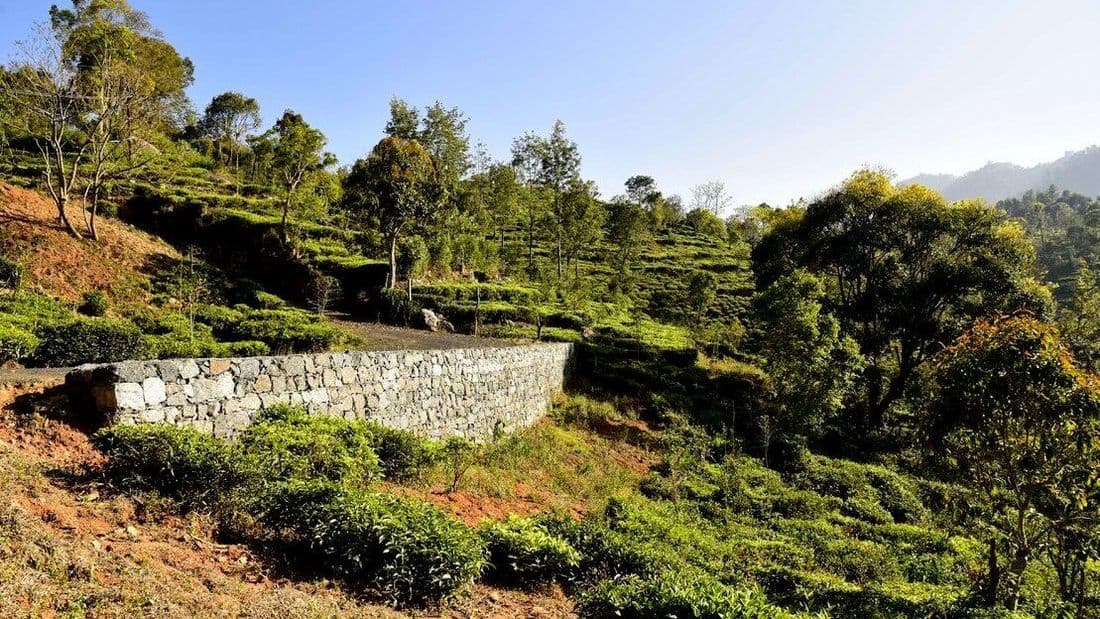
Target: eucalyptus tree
{"points": [[552, 162], [228, 118]]}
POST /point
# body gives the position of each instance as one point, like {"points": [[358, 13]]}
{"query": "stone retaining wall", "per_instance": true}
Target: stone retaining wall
{"points": [[465, 392]]}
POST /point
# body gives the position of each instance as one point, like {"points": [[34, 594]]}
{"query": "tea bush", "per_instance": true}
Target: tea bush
{"points": [[402, 454], [197, 470], [523, 552], [93, 303], [16, 344], [409, 552], [92, 340], [675, 594], [288, 444], [286, 330]]}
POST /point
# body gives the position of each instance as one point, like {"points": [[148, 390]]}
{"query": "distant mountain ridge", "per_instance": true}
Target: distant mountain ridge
{"points": [[1076, 171]]}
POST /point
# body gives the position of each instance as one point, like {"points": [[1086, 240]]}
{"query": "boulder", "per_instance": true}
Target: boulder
{"points": [[436, 322]]}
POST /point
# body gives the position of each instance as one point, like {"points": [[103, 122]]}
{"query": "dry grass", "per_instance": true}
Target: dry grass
{"points": [[67, 267]]}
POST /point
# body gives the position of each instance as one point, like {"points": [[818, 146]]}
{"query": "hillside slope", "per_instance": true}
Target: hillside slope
{"points": [[66, 267], [71, 548]]}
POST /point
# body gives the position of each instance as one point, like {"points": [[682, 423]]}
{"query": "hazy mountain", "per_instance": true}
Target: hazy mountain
{"points": [[1078, 171]]}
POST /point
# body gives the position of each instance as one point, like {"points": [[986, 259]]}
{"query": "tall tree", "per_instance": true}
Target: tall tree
{"points": [[228, 118], [443, 135], [582, 222], [628, 232], [397, 187], [404, 120], [297, 150], [94, 89], [552, 162], [501, 194], [711, 196], [1013, 417], [810, 364], [1080, 319], [907, 272]]}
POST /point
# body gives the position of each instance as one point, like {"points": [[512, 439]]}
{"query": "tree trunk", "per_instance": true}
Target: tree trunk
{"points": [[393, 261], [63, 218], [286, 212], [93, 210], [530, 250], [559, 253], [994, 578]]}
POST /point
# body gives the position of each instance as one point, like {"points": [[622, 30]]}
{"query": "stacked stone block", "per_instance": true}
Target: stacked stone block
{"points": [[468, 392]]}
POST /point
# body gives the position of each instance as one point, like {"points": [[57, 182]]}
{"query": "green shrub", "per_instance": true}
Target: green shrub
{"points": [[523, 552], [675, 594], [287, 331], [395, 307], [604, 554], [92, 340], [402, 454], [246, 348], [288, 444], [11, 274], [93, 303], [197, 470], [16, 344], [407, 551], [268, 301], [218, 317], [706, 223]]}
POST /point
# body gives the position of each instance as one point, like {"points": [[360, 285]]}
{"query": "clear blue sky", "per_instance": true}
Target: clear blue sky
{"points": [[776, 99]]}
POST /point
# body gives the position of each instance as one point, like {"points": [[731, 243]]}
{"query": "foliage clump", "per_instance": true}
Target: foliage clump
{"points": [[408, 551], [523, 552], [92, 340]]}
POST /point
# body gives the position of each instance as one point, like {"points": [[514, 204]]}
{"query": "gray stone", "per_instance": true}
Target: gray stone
{"points": [[129, 396], [189, 369], [168, 371], [248, 368]]}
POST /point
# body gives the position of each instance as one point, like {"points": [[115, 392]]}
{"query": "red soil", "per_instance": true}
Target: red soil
{"points": [[65, 266]]}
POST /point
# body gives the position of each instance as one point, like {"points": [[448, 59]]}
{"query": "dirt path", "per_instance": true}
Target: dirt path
{"points": [[32, 376], [377, 336]]}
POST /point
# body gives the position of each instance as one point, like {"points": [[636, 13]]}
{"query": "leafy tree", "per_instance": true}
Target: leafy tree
{"points": [[534, 207], [443, 135], [404, 120], [711, 196], [297, 150], [398, 187], [1080, 321], [227, 119], [582, 221], [702, 292], [642, 190], [501, 194], [91, 89], [751, 223], [706, 223], [551, 162], [810, 365], [905, 272], [628, 233], [1011, 415]]}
